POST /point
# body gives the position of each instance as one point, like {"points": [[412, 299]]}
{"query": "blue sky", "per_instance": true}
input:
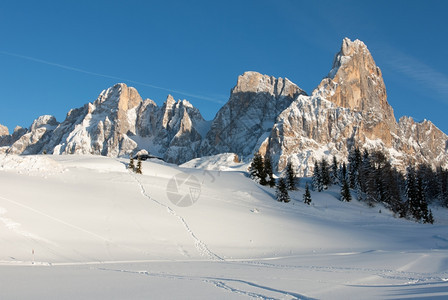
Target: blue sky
{"points": [[58, 55]]}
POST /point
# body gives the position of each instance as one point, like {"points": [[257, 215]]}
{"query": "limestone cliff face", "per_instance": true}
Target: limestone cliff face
{"points": [[311, 128], [349, 108], [171, 131], [102, 127], [3, 130], [33, 139], [355, 82], [117, 123], [4, 136], [246, 119], [423, 142]]}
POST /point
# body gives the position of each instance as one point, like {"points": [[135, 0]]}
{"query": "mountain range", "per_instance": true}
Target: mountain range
{"points": [[349, 108]]}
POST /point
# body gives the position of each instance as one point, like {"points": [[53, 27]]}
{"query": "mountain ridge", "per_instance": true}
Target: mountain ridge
{"points": [[264, 114]]}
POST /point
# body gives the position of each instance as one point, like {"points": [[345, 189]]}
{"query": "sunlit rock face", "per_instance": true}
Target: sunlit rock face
{"points": [[349, 108], [264, 114], [246, 120]]}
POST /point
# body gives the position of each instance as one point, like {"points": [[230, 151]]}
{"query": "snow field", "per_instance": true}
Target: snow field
{"points": [[100, 231]]}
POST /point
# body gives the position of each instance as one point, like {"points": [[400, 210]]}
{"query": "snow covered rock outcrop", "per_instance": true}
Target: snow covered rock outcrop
{"points": [[34, 139], [3, 130], [4, 135], [422, 142], [246, 120], [172, 131], [102, 127], [117, 123], [349, 108]]}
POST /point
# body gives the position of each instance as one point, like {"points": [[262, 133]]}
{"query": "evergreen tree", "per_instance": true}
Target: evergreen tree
{"points": [[268, 170], [325, 174], [138, 170], [345, 192], [442, 179], [354, 163], [334, 175], [254, 166], [430, 219], [290, 177], [429, 181], [380, 168], [131, 165], [307, 195], [368, 187], [343, 173], [422, 204], [390, 180], [281, 191], [317, 178], [256, 169], [411, 193]]}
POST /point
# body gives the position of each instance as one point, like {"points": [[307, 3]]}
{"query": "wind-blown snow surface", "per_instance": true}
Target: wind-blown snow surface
{"points": [[100, 231]]}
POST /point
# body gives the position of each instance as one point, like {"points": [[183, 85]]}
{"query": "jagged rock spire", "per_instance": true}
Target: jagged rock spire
{"points": [[355, 81]]}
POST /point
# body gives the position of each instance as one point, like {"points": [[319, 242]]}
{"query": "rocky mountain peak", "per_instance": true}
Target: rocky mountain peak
{"points": [[5, 138], [129, 98], [119, 96], [168, 110], [46, 121], [245, 121], [348, 48], [258, 83], [349, 108], [356, 83], [170, 101], [352, 50], [3, 130]]}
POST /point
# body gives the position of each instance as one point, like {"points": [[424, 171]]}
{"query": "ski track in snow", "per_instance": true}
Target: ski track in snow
{"points": [[222, 283], [409, 278], [200, 245]]}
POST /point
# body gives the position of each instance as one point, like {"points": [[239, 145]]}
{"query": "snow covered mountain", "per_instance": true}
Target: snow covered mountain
{"points": [[118, 123], [172, 131], [247, 118], [348, 108]]}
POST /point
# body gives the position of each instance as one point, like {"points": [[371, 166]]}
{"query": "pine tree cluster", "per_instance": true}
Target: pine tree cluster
{"points": [[370, 176], [416, 205], [324, 175], [261, 171], [374, 180], [133, 168]]}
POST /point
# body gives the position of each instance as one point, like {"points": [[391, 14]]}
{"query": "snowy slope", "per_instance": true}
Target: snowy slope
{"points": [[218, 162], [99, 231]]}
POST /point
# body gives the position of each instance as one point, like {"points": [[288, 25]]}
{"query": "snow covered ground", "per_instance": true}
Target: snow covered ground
{"points": [[84, 227]]}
